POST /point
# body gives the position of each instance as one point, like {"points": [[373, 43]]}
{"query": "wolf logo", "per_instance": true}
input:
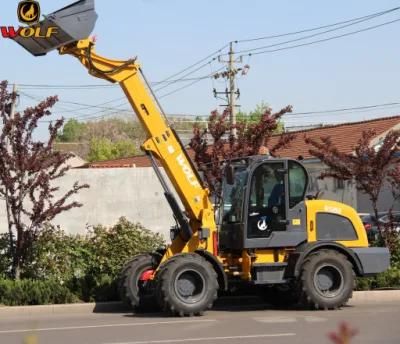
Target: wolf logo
{"points": [[28, 12]]}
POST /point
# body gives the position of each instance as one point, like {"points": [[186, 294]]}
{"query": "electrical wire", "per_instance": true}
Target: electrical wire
{"points": [[325, 39], [371, 16], [211, 75], [195, 64], [301, 38]]}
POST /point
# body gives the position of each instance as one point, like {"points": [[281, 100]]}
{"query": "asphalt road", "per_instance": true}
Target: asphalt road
{"points": [[376, 323]]}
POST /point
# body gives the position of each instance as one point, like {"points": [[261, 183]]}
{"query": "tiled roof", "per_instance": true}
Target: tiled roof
{"points": [[344, 136]]}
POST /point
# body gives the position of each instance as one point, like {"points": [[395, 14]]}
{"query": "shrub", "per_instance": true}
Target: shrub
{"points": [[30, 292], [85, 265], [112, 247]]}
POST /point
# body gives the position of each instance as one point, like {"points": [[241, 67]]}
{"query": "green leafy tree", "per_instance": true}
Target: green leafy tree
{"points": [[73, 131], [255, 116], [104, 149]]}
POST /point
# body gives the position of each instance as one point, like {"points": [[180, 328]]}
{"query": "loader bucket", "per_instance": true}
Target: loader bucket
{"points": [[72, 23]]}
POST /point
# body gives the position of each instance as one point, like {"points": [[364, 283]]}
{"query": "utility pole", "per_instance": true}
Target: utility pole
{"points": [[231, 93], [12, 110], [232, 75], [14, 101]]}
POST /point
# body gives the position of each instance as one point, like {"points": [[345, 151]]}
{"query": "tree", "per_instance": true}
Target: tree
{"points": [[28, 169], [255, 116], [251, 139], [109, 138], [369, 166], [104, 149], [73, 131]]}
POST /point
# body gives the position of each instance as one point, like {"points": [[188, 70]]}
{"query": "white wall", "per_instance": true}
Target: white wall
{"points": [[114, 192]]}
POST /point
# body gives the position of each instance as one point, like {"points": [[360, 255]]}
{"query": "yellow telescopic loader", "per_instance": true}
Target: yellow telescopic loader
{"points": [[271, 235]]}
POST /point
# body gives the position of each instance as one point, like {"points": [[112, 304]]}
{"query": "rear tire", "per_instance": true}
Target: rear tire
{"points": [[187, 285], [327, 280], [140, 295]]}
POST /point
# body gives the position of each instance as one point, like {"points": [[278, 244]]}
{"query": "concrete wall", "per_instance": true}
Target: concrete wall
{"points": [[385, 201], [134, 193], [137, 194], [329, 187]]}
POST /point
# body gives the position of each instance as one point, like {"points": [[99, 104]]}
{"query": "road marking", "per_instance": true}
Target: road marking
{"points": [[166, 341], [315, 319], [67, 328], [276, 320]]}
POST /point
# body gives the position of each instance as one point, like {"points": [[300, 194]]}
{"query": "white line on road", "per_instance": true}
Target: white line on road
{"points": [[166, 341], [276, 320], [106, 325]]}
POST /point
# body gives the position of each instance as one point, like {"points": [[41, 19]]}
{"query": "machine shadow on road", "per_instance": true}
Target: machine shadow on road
{"points": [[232, 305]]}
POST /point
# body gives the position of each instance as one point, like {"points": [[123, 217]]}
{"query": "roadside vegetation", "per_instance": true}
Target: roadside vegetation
{"points": [[67, 268]]}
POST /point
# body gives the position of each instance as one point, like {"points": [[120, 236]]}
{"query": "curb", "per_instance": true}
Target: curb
{"points": [[82, 308], [365, 297], [375, 296]]}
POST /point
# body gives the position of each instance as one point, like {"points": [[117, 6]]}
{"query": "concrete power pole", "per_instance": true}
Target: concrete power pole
{"points": [[14, 102], [12, 110], [231, 93], [232, 75]]}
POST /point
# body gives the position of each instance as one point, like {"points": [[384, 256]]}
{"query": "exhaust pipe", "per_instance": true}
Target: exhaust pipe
{"points": [[73, 23]]}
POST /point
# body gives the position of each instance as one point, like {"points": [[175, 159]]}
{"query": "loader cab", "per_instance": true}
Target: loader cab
{"points": [[263, 204]]}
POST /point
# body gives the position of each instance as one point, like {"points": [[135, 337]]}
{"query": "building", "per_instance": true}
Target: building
{"points": [[345, 136], [129, 187]]}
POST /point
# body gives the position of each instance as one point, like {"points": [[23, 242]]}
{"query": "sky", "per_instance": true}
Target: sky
{"points": [[169, 35]]}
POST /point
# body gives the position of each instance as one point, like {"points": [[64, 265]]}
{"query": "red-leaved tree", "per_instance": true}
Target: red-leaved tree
{"points": [[371, 167], [28, 169], [216, 144]]}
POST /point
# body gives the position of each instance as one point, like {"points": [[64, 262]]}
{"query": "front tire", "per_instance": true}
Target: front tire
{"points": [[327, 280], [187, 285], [134, 292]]}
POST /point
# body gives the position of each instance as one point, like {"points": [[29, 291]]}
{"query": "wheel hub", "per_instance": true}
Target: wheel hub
{"points": [[328, 281], [189, 286]]}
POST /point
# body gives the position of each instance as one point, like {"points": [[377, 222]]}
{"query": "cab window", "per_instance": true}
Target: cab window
{"points": [[297, 183]]}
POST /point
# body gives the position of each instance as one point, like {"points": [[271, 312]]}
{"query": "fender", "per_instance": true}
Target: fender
{"points": [[219, 269], [306, 248]]}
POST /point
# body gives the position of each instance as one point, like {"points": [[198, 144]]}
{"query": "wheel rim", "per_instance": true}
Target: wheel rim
{"points": [[189, 286], [142, 286], [328, 281]]}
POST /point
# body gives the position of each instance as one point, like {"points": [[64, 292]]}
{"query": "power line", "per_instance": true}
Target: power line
{"points": [[305, 37], [373, 15], [195, 64], [89, 87], [343, 109], [187, 74], [325, 39], [188, 85]]}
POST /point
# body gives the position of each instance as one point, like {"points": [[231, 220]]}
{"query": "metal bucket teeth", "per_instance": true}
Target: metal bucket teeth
{"points": [[72, 23]]}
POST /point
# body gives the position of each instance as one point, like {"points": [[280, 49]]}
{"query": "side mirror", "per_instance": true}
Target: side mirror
{"points": [[315, 196], [230, 174]]}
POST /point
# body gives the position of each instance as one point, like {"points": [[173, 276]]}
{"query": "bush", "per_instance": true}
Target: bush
{"points": [[86, 265], [30, 292]]}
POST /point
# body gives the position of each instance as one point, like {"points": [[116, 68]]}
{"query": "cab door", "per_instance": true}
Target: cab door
{"points": [[274, 209], [266, 207]]}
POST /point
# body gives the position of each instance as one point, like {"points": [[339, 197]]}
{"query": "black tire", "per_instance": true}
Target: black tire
{"points": [[187, 285], [326, 280], [140, 295]]}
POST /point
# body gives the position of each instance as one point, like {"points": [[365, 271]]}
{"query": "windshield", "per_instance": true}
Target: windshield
{"points": [[232, 197]]}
